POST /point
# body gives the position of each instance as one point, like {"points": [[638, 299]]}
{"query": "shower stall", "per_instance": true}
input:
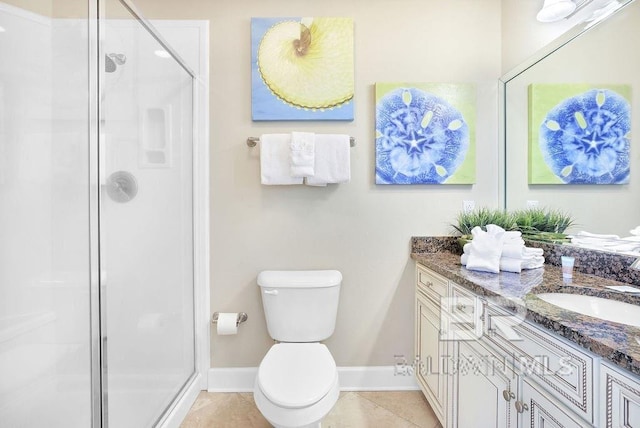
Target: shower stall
{"points": [[99, 247]]}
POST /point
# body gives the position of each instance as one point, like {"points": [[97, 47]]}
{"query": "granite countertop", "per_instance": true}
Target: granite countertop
{"points": [[617, 343]]}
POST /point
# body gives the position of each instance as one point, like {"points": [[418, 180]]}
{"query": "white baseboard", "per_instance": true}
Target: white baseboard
{"points": [[373, 378]]}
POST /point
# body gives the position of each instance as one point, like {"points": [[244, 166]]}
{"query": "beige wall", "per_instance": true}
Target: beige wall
{"points": [[523, 35], [359, 228]]}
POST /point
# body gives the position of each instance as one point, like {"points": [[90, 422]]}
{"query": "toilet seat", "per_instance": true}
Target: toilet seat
{"points": [[296, 375]]}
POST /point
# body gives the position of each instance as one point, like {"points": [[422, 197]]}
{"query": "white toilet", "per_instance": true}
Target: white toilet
{"points": [[297, 382]]}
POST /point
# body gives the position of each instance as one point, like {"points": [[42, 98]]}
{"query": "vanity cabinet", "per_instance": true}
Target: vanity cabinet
{"points": [[539, 409], [620, 398], [497, 370], [563, 370], [484, 392], [431, 351]]}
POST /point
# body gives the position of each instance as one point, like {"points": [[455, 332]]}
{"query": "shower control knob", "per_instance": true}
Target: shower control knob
{"points": [[122, 186]]}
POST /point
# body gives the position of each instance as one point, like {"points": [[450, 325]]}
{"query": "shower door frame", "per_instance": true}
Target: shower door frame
{"points": [[176, 411]]}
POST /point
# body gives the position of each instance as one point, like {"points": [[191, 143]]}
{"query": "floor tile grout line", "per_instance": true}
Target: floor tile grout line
{"points": [[390, 411]]}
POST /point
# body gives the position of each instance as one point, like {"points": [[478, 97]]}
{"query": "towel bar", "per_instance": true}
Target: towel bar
{"points": [[253, 141]]}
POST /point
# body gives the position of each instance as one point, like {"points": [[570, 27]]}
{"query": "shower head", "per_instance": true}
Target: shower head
{"points": [[112, 61]]}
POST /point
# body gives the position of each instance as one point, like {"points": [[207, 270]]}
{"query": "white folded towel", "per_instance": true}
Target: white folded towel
{"points": [[486, 249], [528, 251], [518, 251], [534, 263], [332, 160], [508, 264], [274, 160], [585, 234], [512, 235], [302, 156]]}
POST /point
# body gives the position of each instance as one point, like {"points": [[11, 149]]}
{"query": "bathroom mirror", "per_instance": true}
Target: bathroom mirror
{"points": [[598, 54]]}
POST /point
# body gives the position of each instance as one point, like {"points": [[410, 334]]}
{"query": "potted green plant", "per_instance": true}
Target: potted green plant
{"points": [[466, 221], [540, 224]]}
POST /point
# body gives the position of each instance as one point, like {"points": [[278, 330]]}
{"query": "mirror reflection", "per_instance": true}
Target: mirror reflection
{"points": [[602, 56]]}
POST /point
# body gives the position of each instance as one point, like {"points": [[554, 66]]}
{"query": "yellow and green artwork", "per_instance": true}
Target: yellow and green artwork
{"points": [[425, 133], [579, 133], [302, 68]]}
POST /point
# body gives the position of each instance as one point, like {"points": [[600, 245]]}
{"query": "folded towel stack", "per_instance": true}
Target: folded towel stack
{"points": [[506, 252], [629, 244], [485, 249], [299, 157]]}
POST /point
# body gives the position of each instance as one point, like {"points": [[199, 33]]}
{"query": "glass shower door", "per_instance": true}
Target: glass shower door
{"points": [[146, 230], [45, 282]]}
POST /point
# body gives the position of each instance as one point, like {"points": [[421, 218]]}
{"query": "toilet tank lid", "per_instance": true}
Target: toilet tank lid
{"points": [[299, 278]]}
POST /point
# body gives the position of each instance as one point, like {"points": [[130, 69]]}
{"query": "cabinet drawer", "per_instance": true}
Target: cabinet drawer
{"points": [[562, 370], [430, 283], [464, 314]]}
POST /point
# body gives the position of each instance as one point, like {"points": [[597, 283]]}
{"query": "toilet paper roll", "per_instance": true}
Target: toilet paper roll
{"points": [[227, 323]]}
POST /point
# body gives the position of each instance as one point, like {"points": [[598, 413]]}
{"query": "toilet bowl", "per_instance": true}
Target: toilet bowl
{"points": [[297, 385], [297, 381]]}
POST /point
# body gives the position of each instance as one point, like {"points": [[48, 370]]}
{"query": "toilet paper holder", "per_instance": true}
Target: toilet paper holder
{"points": [[242, 317]]}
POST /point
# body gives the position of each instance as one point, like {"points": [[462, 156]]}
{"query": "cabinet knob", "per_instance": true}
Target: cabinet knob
{"points": [[461, 307], [429, 284], [508, 395], [521, 407]]}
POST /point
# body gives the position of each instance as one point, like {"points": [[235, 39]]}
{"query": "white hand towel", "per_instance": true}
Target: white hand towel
{"points": [[333, 160], [302, 154], [274, 160], [513, 251], [519, 251], [534, 263], [508, 264], [466, 248], [585, 234], [529, 251], [486, 250], [513, 237]]}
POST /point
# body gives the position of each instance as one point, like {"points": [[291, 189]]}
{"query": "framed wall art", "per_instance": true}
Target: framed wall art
{"points": [[302, 68], [425, 133]]}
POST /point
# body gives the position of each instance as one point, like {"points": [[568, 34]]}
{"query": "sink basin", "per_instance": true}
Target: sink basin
{"points": [[597, 307]]}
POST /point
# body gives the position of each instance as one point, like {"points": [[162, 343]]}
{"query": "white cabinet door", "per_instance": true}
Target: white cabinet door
{"points": [[620, 399], [539, 410], [486, 389], [431, 352]]}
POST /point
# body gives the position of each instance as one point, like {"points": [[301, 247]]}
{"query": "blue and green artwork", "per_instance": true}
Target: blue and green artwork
{"points": [[579, 134], [425, 133]]}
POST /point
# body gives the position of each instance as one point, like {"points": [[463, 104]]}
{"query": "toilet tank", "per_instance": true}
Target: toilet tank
{"points": [[300, 306]]}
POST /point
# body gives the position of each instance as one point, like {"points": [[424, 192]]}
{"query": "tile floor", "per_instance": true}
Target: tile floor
{"points": [[388, 409]]}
